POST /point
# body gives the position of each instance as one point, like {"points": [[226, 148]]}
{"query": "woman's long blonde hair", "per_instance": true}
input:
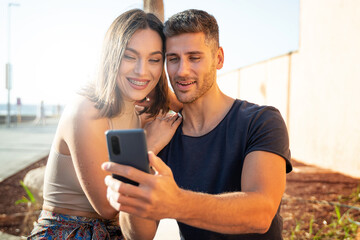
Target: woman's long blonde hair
{"points": [[104, 91]]}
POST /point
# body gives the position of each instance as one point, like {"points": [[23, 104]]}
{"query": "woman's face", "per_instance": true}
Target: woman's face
{"points": [[141, 66]]}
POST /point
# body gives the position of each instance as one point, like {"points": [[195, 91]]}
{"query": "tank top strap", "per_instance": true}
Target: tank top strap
{"points": [[110, 123]]}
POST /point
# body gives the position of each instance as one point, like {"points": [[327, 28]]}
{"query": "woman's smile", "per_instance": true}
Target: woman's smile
{"points": [[138, 84]]}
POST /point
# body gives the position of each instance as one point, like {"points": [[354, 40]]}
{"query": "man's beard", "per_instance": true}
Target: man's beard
{"points": [[207, 83]]}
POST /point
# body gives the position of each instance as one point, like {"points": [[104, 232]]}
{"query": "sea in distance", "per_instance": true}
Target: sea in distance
{"points": [[30, 109]]}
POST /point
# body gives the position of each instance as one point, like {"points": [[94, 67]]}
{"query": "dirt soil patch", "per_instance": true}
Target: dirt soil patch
{"points": [[308, 204], [310, 201], [17, 219]]}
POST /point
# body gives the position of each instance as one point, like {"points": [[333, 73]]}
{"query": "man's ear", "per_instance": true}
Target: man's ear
{"points": [[219, 58]]}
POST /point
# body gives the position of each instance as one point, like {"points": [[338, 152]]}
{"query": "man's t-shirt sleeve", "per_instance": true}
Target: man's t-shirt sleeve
{"points": [[268, 132]]}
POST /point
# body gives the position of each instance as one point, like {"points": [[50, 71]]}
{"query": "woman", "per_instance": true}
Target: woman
{"points": [[75, 204]]}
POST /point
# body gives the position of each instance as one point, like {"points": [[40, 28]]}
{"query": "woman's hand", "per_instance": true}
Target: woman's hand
{"points": [[161, 129]]}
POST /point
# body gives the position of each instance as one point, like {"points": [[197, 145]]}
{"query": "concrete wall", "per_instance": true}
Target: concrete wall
{"points": [[317, 88], [264, 83]]}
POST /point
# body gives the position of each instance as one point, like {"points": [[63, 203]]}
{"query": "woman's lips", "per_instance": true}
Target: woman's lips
{"points": [[138, 84]]}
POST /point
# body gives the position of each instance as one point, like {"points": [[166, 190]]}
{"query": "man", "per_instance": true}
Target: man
{"points": [[224, 170]]}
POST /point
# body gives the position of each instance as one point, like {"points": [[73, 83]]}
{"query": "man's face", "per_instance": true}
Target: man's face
{"points": [[191, 65]]}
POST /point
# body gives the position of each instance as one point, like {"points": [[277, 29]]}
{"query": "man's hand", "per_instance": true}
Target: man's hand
{"points": [[156, 197]]}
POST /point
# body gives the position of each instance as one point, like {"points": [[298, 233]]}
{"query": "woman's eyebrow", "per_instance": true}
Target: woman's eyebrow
{"points": [[137, 53], [131, 50], [156, 52]]}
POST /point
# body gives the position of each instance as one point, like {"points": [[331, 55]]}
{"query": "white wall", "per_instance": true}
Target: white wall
{"points": [[325, 86], [317, 88], [264, 83]]}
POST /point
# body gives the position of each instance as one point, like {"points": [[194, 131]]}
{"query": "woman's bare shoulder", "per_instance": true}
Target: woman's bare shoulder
{"points": [[81, 113]]}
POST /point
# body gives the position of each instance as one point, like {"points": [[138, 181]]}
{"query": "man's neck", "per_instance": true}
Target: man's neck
{"points": [[203, 115]]}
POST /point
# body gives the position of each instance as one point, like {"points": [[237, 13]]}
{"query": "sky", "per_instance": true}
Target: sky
{"points": [[55, 45]]}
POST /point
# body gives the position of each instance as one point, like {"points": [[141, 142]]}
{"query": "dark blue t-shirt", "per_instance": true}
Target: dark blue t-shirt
{"points": [[213, 163]]}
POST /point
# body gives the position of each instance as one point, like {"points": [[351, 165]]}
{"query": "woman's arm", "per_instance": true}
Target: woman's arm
{"points": [[83, 134], [136, 228]]}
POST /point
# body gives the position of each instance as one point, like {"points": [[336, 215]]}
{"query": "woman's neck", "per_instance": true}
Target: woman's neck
{"points": [[127, 118]]}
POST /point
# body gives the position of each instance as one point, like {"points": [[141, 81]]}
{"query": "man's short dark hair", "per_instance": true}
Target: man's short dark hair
{"points": [[193, 21]]}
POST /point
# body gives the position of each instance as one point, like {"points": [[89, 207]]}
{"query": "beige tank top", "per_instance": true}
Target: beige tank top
{"points": [[61, 185]]}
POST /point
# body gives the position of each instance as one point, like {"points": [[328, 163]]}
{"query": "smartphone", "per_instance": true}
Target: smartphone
{"points": [[128, 147]]}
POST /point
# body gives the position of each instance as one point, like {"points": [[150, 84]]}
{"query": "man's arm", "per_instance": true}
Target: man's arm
{"points": [[158, 196], [249, 211], [132, 227]]}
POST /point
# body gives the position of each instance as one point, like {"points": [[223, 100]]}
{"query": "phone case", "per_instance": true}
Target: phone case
{"points": [[128, 147]]}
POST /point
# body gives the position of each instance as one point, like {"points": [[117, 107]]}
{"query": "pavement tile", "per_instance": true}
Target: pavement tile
{"points": [[23, 144]]}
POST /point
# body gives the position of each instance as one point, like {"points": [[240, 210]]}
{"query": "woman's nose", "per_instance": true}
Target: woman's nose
{"points": [[140, 67]]}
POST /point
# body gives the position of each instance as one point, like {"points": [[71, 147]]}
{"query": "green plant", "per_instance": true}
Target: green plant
{"points": [[30, 200], [338, 215], [296, 230], [342, 224], [311, 225], [340, 227], [32, 210]]}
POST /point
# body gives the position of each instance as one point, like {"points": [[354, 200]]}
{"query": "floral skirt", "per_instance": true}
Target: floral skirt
{"points": [[52, 225]]}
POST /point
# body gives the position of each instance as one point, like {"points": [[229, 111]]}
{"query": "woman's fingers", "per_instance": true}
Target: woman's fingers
{"points": [[170, 117]]}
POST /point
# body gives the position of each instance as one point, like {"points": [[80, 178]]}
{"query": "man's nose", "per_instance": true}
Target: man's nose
{"points": [[183, 69]]}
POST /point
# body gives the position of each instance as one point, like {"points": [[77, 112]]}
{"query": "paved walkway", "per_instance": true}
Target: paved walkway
{"points": [[26, 143], [23, 144]]}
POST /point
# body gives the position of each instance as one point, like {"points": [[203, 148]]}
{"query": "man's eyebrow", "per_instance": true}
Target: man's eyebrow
{"points": [[170, 54], [194, 53], [136, 52], [187, 53]]}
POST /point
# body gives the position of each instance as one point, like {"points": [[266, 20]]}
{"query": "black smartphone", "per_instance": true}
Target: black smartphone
{"points": [[128, 147]]}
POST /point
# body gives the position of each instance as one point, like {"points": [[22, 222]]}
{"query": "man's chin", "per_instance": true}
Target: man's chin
{"points": [[186, 100]]}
